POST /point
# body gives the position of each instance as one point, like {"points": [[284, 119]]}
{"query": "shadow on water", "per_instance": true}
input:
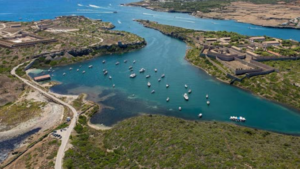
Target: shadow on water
{"points": [[120, 106], [8, 145]]}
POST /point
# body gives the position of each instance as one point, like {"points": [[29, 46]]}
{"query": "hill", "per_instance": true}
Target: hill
{"points": [[154, 141]]}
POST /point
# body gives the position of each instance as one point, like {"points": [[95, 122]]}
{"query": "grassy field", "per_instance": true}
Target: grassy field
{"points": [[166, 142]]}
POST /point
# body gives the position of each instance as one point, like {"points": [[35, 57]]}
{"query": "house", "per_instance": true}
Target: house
{"points": [[257, 38], [270, 43], [42, 78], [210, 39]]}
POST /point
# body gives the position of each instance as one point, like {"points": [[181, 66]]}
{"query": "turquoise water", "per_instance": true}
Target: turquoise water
{"points": [[167, 55]]}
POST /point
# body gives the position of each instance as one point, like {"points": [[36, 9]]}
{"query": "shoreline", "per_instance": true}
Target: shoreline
{"points": [[286, 105], [134, 4]]}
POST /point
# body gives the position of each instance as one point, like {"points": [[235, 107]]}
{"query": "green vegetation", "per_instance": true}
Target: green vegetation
{"points": [[280, 86], [166, 142], [13, 114], [201, 5]]}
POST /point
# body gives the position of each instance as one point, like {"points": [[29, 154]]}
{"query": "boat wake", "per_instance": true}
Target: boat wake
{"points": [[94, 6], [148, 14], [184, 18], [255, 28]]}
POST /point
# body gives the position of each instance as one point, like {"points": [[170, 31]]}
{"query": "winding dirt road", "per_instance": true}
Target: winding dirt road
{"points": [[66, 136]]}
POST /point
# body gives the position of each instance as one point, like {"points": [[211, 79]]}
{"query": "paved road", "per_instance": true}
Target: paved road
{"points": [[65, 139]]}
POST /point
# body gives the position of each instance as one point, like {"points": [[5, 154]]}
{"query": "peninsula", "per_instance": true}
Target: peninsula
{"points": [[263, 65], [269, 13], [27, 109]]}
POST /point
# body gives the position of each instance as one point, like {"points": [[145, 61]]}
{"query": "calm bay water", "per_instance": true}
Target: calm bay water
{"points": [[167, 55]]}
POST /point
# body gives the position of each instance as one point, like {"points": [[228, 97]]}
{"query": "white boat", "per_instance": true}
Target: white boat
{"points": [[130, 67], [83, 72], [186, 97], [168, 99], [159, 80], [104, 70], [186, 86], [207, 96], [142, 70], [239, 119], [114, 85], [133, 75], [148, 84], [110, 77], [64, 74], [155, 70], [167, 85], [117, 63], [103, 61], [105, 73], [134, 61], [125, 61], [148, 76], [153, 91], [163, 75], [208, 103], [179, 108], [200, 115], [77, 70], [69, 68], [90, 66], [190, 91]]}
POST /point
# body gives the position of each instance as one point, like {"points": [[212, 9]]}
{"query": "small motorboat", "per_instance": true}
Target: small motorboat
{"points": [[208, 103], [104, 70], [114, 85], [69, 69], [239, 119], [153, 91], [155, 70], [163, 75], [190, 91], [207, 96], [90, 66], [64, 74], [77, 70], [117, 63], [133, 75], [186, 86], [142, 70], [148, 84], [168, 99], [105, 73], [130, 67], [200, 115], [134, 62], [159, 80], [83, 72], [186, 97], [147, 76], [125, 61], [109, 77], [103, 61], [115, 12], [179, 108], [167, 86]]}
